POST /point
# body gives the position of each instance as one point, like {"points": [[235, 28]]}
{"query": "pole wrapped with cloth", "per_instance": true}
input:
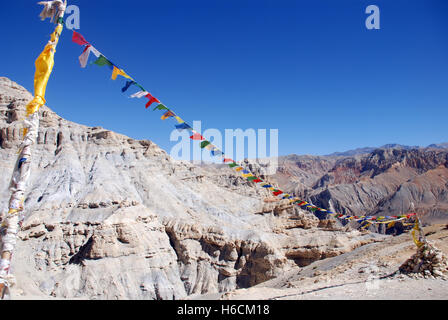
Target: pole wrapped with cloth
{"points": [[10, 223]]}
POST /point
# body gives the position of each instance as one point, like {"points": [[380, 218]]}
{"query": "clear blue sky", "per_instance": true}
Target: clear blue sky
{"points": [[308, 68]]}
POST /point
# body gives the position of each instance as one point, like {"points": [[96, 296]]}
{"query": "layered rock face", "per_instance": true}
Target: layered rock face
{"points": [[110, 217], [386, 181]]}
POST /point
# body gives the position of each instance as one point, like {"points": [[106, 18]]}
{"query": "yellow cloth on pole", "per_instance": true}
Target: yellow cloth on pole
{"points": [[416, 228], [44, 67]]}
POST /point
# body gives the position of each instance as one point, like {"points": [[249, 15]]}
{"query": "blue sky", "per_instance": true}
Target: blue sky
{"points": [[310, 69]]}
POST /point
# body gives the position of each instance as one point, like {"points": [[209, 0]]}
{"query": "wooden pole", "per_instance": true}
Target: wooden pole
{"points": [[22, 171]]}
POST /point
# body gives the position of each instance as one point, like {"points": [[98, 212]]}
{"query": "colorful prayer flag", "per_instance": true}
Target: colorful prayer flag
{"points": [[216, 152], [139, 94], [151, 100], [84, 57], [183, 126], [116, 72], [102, 61], [160, 107], [197, 136], [167, 115], [204, 144], [79, 39], [128, 84]]}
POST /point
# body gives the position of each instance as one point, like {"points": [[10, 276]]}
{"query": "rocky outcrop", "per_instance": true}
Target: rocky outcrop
{"points": [[110, 217], [428, 261]]}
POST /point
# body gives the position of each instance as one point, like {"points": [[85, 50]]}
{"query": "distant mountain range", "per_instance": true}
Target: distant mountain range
{"points": [[392, 179], [387, 146]]}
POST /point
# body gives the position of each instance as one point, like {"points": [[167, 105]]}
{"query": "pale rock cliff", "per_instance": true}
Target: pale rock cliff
{"points": [[110, 217]]}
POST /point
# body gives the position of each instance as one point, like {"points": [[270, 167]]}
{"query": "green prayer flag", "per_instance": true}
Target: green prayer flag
{"points": [[252, 178], [233, 165], [204, 144], [102, 61], [160, 107]]}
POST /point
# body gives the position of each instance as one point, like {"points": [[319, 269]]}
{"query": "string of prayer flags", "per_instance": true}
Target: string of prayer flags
{"points": [[182, 125]]}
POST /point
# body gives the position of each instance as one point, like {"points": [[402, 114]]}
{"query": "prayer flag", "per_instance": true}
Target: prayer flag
{"points": [[160, 107], [79, 39], [151, 100], [179, 119], [139, 94], [182, 126], [116, 72], [102, 61], [167, 115], [216, 152], [128, 84], [204, 144], [84, 57], [197, 136]]}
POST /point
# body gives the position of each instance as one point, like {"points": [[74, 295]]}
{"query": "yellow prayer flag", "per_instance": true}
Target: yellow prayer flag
{"points": [[179, 119], [116, 72]]}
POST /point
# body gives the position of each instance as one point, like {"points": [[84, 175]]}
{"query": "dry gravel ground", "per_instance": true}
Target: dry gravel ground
{"points": [[367, 273]]}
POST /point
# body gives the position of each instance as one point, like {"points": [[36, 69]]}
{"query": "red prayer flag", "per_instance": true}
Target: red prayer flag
{"points": [[151, 100], [79, 39], [277, 193], [197, 136], [228, 160], [257, 180]]}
